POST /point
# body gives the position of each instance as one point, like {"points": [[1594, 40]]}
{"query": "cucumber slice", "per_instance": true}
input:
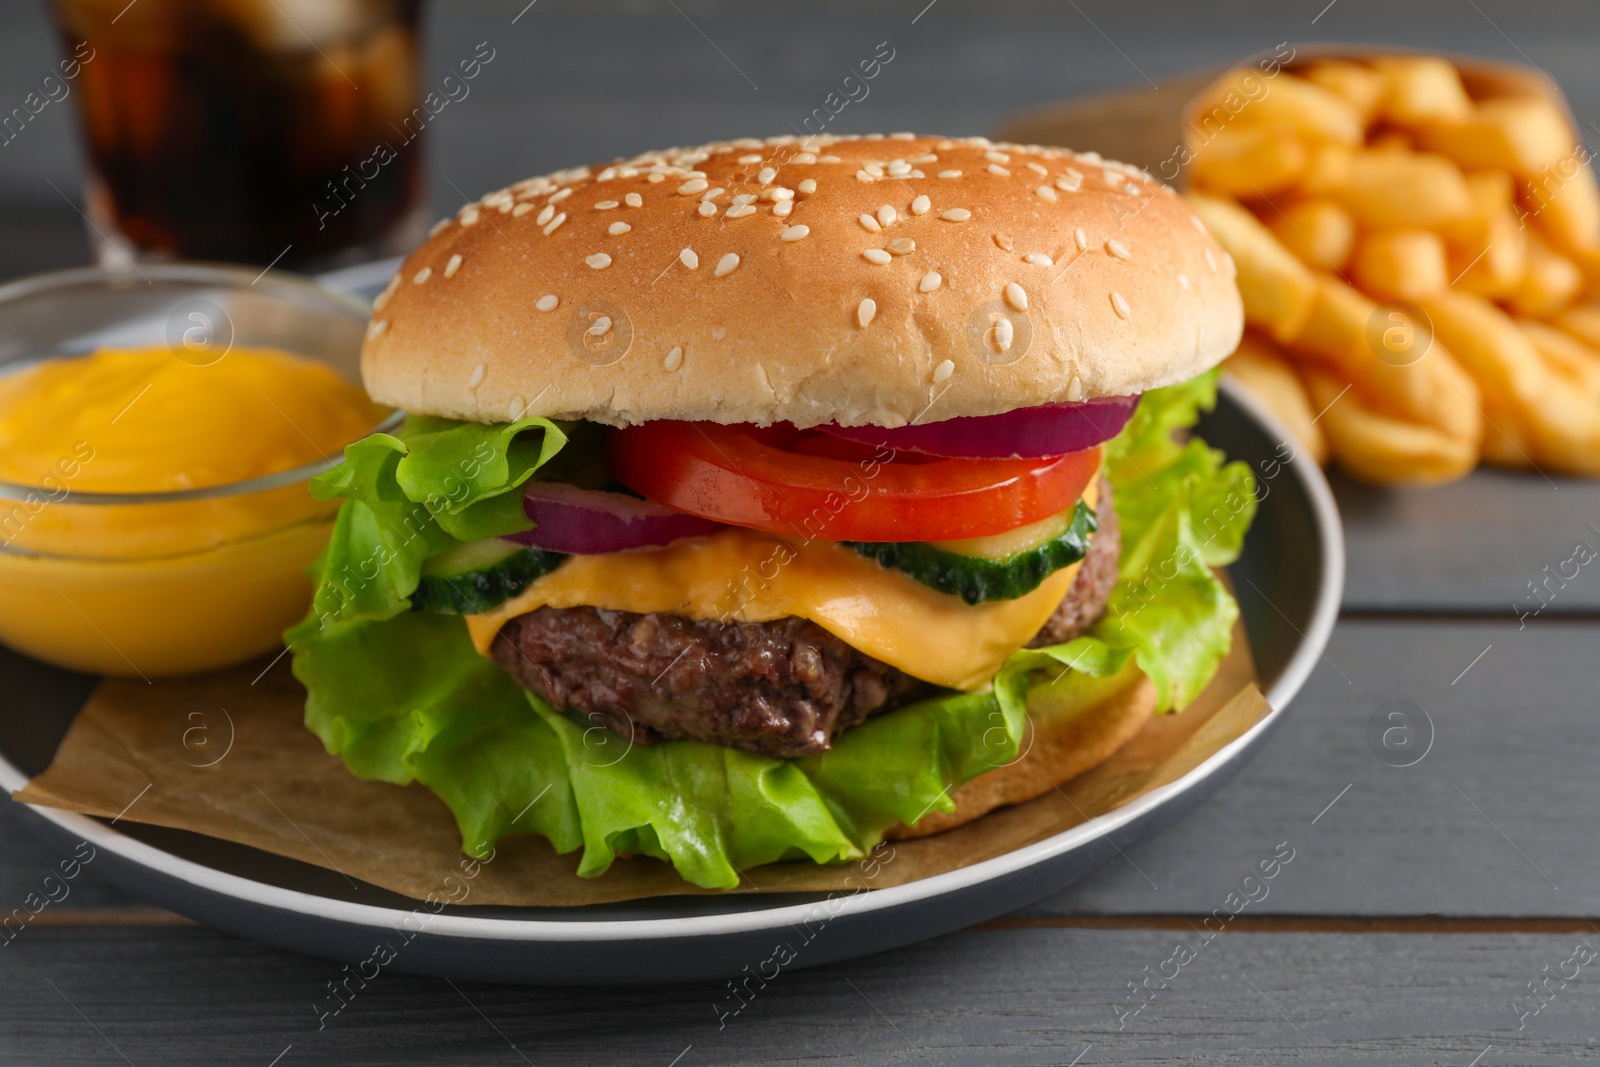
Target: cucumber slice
{"points": [[977, 578], [474, 576]]}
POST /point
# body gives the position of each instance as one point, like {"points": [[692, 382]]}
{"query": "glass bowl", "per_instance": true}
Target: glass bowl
{"points": [[162, 583]]}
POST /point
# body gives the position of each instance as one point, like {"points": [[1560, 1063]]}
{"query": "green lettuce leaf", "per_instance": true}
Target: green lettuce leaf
{"points": [[403, 696]]}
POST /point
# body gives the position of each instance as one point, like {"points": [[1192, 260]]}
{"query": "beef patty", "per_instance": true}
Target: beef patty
{"points": [[781, 688]]}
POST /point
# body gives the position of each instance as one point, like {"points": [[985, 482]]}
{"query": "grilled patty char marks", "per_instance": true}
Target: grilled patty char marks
{"points": [[782, 688]]}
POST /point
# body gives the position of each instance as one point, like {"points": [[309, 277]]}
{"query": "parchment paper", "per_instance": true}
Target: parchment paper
{"points": [[231, 759]]}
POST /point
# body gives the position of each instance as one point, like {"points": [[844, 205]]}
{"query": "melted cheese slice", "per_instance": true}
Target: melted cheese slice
{"points": [[748, 576]]}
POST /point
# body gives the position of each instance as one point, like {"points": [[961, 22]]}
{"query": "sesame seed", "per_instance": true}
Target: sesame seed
{"points": [[1037, 168], [808, 186], [519, 407], [1016, 296], [1069, 184], [1195, 219], [946, 368], [1211, 261], [1075, 390], [559, 196], [633, 200], [997, 157], [1002, 333], [1131, 189], [688, 258], [899, 169], [829, 159], [863, 176], [547, 302], [930, 281], [521, 210], [778, 192], [475, 379], [866, 311], [745, 198], [726, 265], [1047, 194], [1183, 281], [1120, 305], [469, 217], [955, 214], [766, 174], [902, 246], [875, 169], [929, 158], [712, 193], [545, 215], [674, 358], [605, 205], [718, 333], [782, 208], [949, 174], [921, 205], [598, 261], [422, 275], [754, 158], [804, 157], [707, 209], [377, 327], [1080, 238], [600, 326], [1118, 249], [438, 227], [870, 224], [1002, 241], [1112, 178], [451, 266], [887, 214], [794, 233], [1038, 259], [555, 224], [997, 170], [381, 301], [618, 228], [692, 186], [741, 211], [877, 255], [655, 178]]}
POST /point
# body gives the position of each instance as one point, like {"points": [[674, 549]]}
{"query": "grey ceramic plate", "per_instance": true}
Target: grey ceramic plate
{"points": [[1294, 555]]}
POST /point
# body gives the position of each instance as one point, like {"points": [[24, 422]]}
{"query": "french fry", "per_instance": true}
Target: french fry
{"points": [[1487, 246], [1522, 396], [1582, 323], [1550, 283], [1522, 135], [1386, 189], [1360, 87], [1421, 89], [1319, 233], [1401, 264], [1566, 355], [1380, 448], [1283, 102], [1266, 372], [1276, 287], [1395, 361], [1564, 205], [1248, 162]]}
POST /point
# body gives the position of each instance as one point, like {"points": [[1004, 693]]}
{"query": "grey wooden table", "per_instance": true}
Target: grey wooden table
{"points": [[1423, 905]]}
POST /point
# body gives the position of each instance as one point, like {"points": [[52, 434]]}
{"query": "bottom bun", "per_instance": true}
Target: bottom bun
{"points": [[1061, 743]]}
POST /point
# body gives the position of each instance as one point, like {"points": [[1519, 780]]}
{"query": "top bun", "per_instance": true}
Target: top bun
{"points": [[866, 281]]}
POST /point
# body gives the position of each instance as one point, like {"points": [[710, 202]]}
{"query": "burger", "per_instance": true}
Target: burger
{"points": [[762, 500]]}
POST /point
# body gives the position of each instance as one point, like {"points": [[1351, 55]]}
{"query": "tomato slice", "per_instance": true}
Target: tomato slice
{"points": [[807, 484]]}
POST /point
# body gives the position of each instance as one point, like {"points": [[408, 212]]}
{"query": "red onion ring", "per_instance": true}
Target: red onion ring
{"points": [[594, 522], [1026, 433]]}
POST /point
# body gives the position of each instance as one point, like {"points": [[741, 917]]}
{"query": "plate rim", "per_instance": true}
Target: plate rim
{"points": [[755, 918]]}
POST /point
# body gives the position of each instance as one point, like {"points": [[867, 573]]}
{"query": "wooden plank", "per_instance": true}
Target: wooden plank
{"points": [[1495, 817], [981, 997], [1499, 543]]}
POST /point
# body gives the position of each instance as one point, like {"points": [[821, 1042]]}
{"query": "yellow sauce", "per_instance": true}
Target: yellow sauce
{"points": [[171, 587]]}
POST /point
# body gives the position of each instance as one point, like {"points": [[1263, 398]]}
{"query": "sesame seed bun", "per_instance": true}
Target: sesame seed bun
{"points": [[871, 281], [1061, 743]]}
